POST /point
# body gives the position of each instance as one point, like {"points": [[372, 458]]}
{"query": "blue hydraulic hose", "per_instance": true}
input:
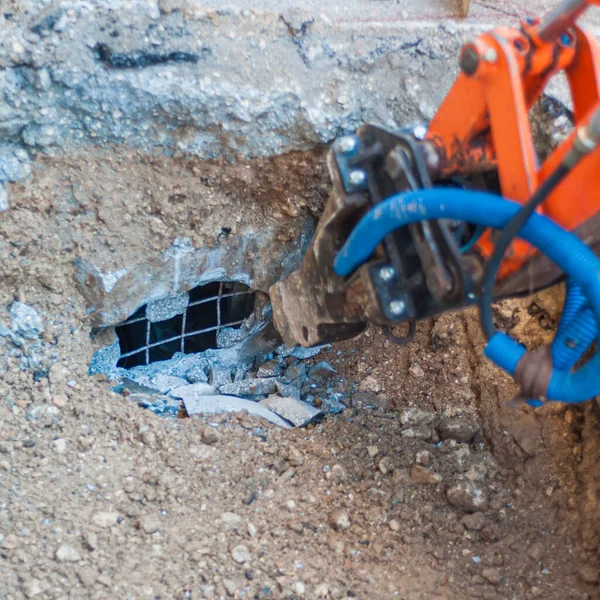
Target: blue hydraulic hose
{"points": [[489, 210]]}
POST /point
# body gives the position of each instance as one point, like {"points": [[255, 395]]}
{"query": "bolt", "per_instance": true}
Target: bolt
{"points": [[490, 55], [347, 144], [387, 273], [419, 132], [397, 307], [357, 177]]}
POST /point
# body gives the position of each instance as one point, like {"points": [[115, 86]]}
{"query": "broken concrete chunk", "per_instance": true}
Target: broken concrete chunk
{"points": [[219, 376], [14, 163], [294, 372], [269, 369], [322, 370], [196, 375], [167, 308], [25, 321], [250, 388], [295, 411], [290, 390], [196, 404], [461, 430]]}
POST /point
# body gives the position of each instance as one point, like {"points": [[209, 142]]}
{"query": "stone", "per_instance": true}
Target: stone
{"points": [[219, 376], [25, 321], [14, 163], [200, 389], [60, 400], [417, 371], [90, 539], [210, 435], [269, 369], [149, 524], [338, 474], [290, 390], [424, 458], [418, 433], [491, 575], [87, 576], [212, 405], [230, 519], [105, 519], [537, 551], [230, 586], [394, 525], [589, 574], [386, 465], [322, 370], [44, 416], [32, 588], [416, 416], [461, 430], [294, 372], [474, 522], [4, 205], [241, 554], [60, 446], [339, 520], [372, 451], [370, 384], [422, 476], [67, 554], [295, 411], [466, 496]]}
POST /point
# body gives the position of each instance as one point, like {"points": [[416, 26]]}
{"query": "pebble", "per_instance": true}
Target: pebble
{"points": [[422, 476], [241, 554], [416, 416], [230, 586], [60, 446], [369, 384], [32, 588], [491, 575], [87, 576], [466, 496], [60, 400], [294, 456], [322, 370], [149, 523], [269, 369], [424, 458], [294, 372], [394, 525], [25, 321], [196, 375], [210, 435], [474, 522], [337, 474], [105, 519], [385, 465], [339, 520], [417, 371], [67, 554], [295, 411], [372, 450], [90, 539], [461, 430], [536, 551], [589, 574]]}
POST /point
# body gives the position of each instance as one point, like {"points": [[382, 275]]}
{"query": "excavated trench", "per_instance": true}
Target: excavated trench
{"points": [[135, 258]]}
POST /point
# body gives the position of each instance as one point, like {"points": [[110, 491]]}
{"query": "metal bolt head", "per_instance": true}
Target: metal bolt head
{"points": [[397, 307], [348, 144], [357, 177], [387, 273], [490, 55], [419, 132]]}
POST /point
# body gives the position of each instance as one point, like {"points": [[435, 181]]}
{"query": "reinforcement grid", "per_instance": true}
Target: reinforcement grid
{"points": [[183, 334]]}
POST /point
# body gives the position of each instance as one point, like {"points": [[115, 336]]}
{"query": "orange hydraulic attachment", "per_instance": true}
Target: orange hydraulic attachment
{"points": [[483, 123]]}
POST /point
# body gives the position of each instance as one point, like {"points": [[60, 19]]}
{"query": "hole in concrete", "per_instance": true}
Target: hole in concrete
{"points": [[186, 323]]}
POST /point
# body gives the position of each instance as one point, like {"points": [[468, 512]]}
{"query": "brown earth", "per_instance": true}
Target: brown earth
{"points": [[102, 499]]}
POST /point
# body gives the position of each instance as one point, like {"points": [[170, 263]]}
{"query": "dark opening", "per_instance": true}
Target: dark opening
{"points": [[210, 308]]}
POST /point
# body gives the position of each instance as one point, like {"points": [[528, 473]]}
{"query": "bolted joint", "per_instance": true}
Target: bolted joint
{"points": [[469, 60]]}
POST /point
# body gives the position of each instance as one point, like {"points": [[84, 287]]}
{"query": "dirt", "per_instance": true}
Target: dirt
{"points": [[102, 499]]}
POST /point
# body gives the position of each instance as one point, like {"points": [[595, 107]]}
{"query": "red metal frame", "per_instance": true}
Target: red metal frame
{"points": [[484, 122]]}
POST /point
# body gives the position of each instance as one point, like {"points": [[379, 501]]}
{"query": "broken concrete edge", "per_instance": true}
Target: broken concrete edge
{"points": [[303, 80], [112, 297]]}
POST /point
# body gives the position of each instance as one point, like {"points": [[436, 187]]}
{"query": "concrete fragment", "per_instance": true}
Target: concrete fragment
{"points": [[295, 411], [14, 163], [461, 430], [250, 388], [196, 404], [293, 372], [197, 375], [467, 497], [25, 321], [322, 370], [198, 389], [219, 376], [290, 390], [269, 369], [167, 308]]}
